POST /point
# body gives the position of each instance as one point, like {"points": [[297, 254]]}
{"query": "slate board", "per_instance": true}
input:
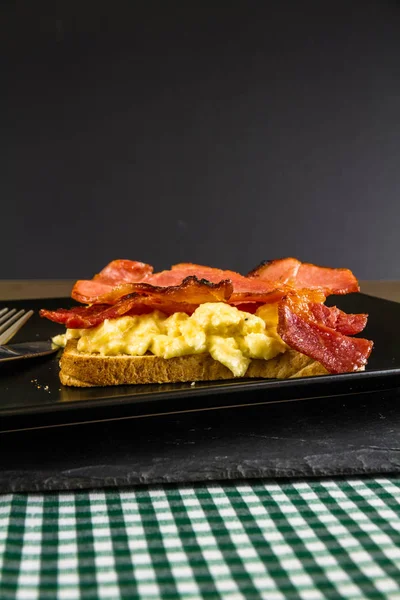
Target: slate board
{"points": [[329, 426], [348, 435]]}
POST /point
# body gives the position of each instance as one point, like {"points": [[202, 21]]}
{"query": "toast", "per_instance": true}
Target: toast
{"points": [[81, 369]]}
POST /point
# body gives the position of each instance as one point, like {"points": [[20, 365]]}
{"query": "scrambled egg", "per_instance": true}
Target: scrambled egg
{"points": [[230, 336]]}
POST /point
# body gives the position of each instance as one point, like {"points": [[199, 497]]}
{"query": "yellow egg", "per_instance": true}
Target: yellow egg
{"points": [[231, 336]]}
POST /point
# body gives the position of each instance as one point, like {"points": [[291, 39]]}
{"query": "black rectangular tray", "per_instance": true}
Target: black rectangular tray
{"points": [[31, 394]]}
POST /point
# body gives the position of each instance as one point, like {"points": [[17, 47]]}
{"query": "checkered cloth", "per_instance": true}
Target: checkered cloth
{"points": [[315, 540]]}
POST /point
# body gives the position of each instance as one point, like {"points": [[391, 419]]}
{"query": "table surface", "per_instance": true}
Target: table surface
{"points": [[310, 540]]}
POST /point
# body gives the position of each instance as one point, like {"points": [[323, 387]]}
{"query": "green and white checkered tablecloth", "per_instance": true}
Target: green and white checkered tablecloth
{"points": [[310, 540]]}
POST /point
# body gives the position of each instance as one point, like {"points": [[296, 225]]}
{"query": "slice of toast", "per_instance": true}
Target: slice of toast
{"points": [[81, 369]]}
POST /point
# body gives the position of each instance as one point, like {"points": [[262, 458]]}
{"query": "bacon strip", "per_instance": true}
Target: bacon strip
{"points": [[337, 352], [96, 292], [336, 319], [84, 317], [283, 270], [304, 275], [124, 271], [113, 282], [191, 284], [243, 288], [267, 283], [183, 298], [121, 277]]}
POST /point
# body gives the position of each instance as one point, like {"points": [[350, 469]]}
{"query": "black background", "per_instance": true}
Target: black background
{"points": [[216, 132]]}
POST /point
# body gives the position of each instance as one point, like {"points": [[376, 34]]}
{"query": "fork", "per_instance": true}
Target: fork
{"points": [[11, 321]]}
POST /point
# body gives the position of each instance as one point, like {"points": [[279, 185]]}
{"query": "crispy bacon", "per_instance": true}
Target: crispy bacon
{"points": [[283, 270], [334, 281], [124, 271], [84, 317], [95, 292], [108, 287], [113, 282], [304, 275], [337, 352], [243, 288], [187, 286], [185, 297], [336, 319], [267, 283], [190, 291]]}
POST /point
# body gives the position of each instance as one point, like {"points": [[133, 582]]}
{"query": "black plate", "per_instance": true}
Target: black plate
{"points": [[32, 396]]}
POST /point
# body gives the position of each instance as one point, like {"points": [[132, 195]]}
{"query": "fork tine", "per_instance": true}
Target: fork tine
{"points": [[8, 332], [7, 313], [11, 319]]}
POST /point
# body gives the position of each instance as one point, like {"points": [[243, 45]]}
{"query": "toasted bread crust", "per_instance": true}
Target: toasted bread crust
{"points": [[86, 370]]}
